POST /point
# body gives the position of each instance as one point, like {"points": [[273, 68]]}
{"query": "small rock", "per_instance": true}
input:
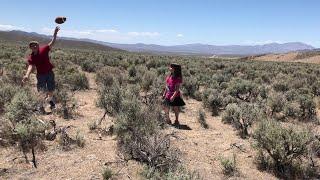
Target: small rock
{"points": [[91, 157]]}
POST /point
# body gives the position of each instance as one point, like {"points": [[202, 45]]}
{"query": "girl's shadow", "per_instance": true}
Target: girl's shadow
{"points": [[181, 126]]}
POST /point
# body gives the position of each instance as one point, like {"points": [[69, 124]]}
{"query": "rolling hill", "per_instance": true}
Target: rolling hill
{"points": [[186, 49], [204, 49], [21, 37]]}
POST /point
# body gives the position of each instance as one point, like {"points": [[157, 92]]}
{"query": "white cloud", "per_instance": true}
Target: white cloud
{"points": [[106, 31], [7, 27], [108, 35], [144, 34], [179, 35], [250, 42]]}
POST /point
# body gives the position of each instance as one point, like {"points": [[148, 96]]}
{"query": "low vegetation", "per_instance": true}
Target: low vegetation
{"points": [[270, 102]]}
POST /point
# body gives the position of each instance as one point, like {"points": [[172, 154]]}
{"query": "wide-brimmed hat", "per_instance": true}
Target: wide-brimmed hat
{"points": [[31, 43]]}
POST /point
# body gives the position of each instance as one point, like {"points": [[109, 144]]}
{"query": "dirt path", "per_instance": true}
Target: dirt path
{"points": [[201, 148], [78, 163]]}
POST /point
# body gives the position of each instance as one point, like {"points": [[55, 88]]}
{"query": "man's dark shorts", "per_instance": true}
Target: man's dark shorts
{"points": [[46, 82]]}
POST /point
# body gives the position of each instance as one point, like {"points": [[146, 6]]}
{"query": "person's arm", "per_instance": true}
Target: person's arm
{"points": [[164, 92], [177, 87], [51, 43], [26, 77]]}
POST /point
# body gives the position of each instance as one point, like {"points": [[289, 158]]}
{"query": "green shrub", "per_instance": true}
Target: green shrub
{"points": [[229, 166], [80, 139], [243, 90], [14, 72], [276, 102], [292, 110], [147, 80], [242, 116], [307, 107], [180, 173], [190, 86], [132, 71], [106, 75], [136, 128], [202, 119], [89, 66], [77, 81], [7, 92], [281, 86], [68, 103], [285, 146], [107, 174], [213, 100], [21, 106], [110, 98], [231, 114]]}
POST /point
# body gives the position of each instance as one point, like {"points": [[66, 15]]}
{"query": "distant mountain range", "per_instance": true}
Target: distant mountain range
{"points": [[187, 49], [21, 37], [204, 49]]}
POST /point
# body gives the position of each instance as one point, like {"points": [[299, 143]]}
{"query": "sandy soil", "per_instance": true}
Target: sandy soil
{"points": [[201, 148]]}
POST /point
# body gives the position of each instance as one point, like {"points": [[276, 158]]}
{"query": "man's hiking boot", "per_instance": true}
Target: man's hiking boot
{"points": [[41, 110]]}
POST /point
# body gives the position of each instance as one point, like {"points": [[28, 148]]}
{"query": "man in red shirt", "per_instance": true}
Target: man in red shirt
{"points": [[39, 59]]}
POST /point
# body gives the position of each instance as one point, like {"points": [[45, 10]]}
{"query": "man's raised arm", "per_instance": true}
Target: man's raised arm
{"points": [[51, 43]]}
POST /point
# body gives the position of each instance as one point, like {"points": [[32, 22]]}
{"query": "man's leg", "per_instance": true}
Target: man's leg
{"points": [[42, 88], [51, 87]]}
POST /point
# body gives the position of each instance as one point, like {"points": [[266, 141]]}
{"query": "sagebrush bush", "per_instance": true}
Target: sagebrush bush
{"points": [[276, 102], [231, 114], [25, 128], [307, 107], [202, 119], [6, 131], [110, 98], [7, 91], [242, 116], [68, 104], [80, 139], [229, 166], [107, 174], [190, 86], [15, 72], [21, 107], [180, 173], [132, 71], [285, 146], [147, 80], [77, 81], [243, 90], [89, 66], [137, 130], [106, 75], [213, 100], [292, 110]]}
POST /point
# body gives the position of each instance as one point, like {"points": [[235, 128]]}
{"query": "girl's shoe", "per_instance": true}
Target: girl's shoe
{"points": [[176, 124]]}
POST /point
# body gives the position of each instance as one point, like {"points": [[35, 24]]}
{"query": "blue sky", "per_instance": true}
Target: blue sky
{"points": [[169, 22]]}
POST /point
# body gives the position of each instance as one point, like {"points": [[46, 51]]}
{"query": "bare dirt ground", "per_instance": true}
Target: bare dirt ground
{"points": [[287, 57], [201, 148], [314, 59]]}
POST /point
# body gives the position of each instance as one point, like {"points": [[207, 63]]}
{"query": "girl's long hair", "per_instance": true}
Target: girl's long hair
{"points": [[177, 70]]}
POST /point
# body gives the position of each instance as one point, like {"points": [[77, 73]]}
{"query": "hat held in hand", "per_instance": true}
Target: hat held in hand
{"points": [[60, 19]]}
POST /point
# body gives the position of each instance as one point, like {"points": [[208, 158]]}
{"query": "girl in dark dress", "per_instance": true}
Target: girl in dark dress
{"points": [[171, 94]]}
